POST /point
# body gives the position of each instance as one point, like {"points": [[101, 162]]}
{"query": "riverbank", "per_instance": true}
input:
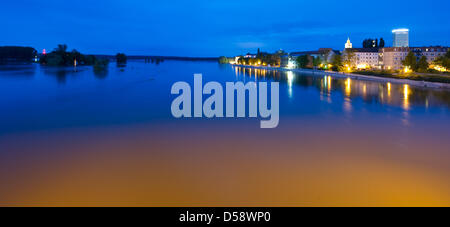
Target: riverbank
{"points": [[427, 84]]}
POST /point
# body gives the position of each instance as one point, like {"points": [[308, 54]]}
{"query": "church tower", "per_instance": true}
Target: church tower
{"points": [[348, 45]]}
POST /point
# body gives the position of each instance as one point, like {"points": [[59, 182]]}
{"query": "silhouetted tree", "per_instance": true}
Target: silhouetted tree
{"points": [[370, 43], [410, 61], [317, 61], [62, 48], [349, 58], [422, 65], [382, 43], [336, 63], [302, 61]]}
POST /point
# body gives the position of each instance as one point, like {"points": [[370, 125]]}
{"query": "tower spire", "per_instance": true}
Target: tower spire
{"points": [[348, 45]]}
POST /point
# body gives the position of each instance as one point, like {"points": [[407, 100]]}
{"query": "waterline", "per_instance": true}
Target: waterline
{"points": [[427, 84]]}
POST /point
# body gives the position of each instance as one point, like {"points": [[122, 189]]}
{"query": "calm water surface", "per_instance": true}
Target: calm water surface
{"points": [[76, 137]]}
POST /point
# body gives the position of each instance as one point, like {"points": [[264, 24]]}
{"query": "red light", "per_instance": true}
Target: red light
{"points": [[44, 52]]}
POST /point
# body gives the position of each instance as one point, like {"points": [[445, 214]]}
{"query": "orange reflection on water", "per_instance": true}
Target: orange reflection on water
{"points": [[389, 92], [225, 165], [348, 87], [406, 94], [328, 78]]}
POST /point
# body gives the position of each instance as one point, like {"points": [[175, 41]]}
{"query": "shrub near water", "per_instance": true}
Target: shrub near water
{"points": [[101, 64]]}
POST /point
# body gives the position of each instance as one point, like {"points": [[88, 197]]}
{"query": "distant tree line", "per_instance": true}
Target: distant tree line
{"points": [[262, 58], [154, 60], [61, 57], [414, 65], [223, 60], [17, 54], [308, 61]]}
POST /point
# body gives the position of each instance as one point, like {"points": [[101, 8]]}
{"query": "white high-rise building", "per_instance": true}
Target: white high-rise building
{"points": [[401, 37]]}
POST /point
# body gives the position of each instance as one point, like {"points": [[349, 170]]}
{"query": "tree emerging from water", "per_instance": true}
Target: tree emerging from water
{"points": [[121, 59]]}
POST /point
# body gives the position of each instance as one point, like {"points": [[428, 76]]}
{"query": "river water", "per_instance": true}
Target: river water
{"points": [[83, 138]]}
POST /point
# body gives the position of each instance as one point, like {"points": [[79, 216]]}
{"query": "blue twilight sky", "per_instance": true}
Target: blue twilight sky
{"points": [[215, 27]]}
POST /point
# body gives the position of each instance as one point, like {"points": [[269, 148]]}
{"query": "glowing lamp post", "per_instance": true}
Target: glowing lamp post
{"points": [[406, 70]]}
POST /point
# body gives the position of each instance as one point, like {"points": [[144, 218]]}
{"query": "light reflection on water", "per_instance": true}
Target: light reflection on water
{"points": [[385, 93], [76, 138], [397, 95]]}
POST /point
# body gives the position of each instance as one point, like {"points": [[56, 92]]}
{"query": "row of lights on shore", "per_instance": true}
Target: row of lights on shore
{"points": [[348, 84]]}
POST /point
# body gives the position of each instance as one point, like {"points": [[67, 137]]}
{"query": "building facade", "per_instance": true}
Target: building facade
{"points": [[364, 58], [393, 56], [400, 37], [431, 53]]}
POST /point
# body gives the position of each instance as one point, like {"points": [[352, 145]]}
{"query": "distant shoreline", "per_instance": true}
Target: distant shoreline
{"points": [[178, 58], [354, 76]]}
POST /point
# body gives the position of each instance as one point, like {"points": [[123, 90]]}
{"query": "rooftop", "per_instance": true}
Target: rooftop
{"points": [[320, 51], [400, 30], [372, 50]]}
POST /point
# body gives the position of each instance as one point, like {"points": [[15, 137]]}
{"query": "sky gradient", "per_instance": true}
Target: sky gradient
{"points": [[210, 28]]}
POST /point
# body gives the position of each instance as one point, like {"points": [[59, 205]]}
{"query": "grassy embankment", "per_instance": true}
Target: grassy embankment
{"points": [[440, 78]]}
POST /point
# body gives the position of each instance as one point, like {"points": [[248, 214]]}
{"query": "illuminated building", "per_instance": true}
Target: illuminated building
{"points": [[249, 55], [348, 44], [365, 57], [431, 53], [401, 37], [393, 56], [291, 63]]}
